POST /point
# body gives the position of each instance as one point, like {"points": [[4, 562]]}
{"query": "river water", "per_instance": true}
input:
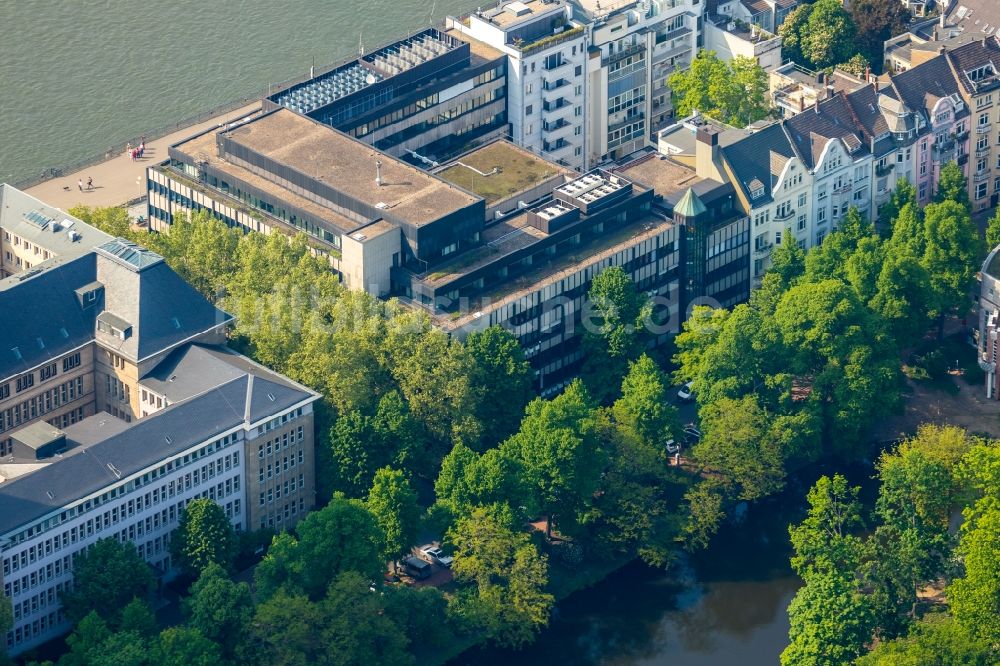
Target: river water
{"points": [[725, 606], [79, 77]]}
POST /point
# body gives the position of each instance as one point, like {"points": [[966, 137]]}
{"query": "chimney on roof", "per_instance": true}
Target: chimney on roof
{"points": [[706, 153], [816, 104], [830, 91], [868, 73], [378, 173], [942, 49], [875, 83], [943, 20]]}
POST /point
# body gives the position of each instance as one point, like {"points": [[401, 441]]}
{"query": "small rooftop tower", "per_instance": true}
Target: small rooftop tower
{"points": [[378, 172]]}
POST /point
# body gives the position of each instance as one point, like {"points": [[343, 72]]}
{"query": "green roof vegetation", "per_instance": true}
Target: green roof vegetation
{"points": [[518, 171]]}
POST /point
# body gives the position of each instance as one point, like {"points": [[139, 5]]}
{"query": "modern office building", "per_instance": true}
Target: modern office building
{"points": [[559, 229], [281, 172], [119, 404], [421, 99]]}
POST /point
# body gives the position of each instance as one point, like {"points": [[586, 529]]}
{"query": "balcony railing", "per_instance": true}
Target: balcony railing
{"points": [[980, 176], [884, 170], [983, 129], [555, 104], [631, 49], [982, 152], [762, 250], [787, 215]]}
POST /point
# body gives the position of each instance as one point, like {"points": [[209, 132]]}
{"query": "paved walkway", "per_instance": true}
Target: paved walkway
{"points": [[120, 180]]}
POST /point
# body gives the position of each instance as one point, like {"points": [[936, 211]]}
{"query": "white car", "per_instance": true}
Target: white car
{"points": [[435, 554], [685, 393]]}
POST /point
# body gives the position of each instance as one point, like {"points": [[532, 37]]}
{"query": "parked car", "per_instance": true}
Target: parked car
{"points": [[672, 446], [686, 393], [436, 555], [691, 434], [416, 567]]}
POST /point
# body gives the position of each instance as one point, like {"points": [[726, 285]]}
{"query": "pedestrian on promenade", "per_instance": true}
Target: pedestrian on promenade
{"points": [[79, 184], [90, 183], [128, 149]]}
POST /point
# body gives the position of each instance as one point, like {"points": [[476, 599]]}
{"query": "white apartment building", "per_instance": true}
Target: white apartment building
{"points": [[546, 60], [634, 46]]}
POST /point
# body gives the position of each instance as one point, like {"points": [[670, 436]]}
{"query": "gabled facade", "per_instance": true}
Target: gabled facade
{"points": [[975, 67]]}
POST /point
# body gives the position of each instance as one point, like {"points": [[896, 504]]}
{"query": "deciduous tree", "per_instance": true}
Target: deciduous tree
{"points": [[394, 505], [509, 602], [106, 577], [221, 610], [204, 536], [561, 455]]}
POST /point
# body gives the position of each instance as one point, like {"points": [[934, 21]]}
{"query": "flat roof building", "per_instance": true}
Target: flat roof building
{"points": [[423, 98]]}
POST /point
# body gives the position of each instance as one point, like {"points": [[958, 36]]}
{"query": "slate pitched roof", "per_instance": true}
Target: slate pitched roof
{"points": [[87, 468], [975, 54], [746, 159], [920, 87], [811, 130], [41, 317]]}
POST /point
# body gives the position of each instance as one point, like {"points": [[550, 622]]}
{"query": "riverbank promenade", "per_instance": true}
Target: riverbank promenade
{"points": [[120, 180]]}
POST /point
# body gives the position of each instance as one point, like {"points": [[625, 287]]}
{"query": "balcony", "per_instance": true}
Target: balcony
{"points": [[554, 85], [983, 129], [963, 159], [843, 189], [884, 169], [557, 130], [553, 105], [625, 52], [787, 215], [982, 152], [762, 250], [980, 176]]}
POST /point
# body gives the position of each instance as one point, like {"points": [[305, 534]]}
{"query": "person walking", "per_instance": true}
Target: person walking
{"points": [[90, 183], [79, 184]]}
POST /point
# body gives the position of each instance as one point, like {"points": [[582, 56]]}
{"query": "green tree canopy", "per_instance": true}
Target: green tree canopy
{"points": [[734, 92], [394, 505], [877, 22], [561, 455], [106, 577], [643, 410], [614, 331], [974, 598], [183, 646], [502, 379], [951, 255], [221, 610], [204, 536], [831, 617], [952, 186], [819, 35], [509, 603], [342, 536]]}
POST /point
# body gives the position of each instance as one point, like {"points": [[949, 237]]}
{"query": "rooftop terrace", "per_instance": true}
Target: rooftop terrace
{"points": [[349, 166], [499, 170]]}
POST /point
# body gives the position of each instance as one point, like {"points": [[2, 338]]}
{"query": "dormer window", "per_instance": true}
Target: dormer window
{"points": [[756, 189], [111, 325]]}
